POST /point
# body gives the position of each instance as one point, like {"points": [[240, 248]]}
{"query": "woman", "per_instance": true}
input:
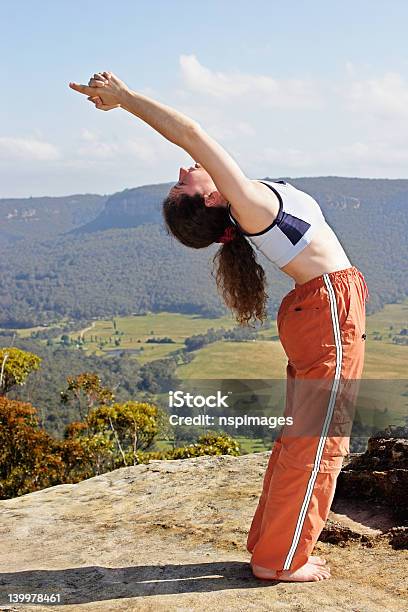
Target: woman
{"points": [[320, 322]]}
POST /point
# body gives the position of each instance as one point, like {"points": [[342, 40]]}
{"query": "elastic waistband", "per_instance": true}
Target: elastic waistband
{"points": [[314, 283]]}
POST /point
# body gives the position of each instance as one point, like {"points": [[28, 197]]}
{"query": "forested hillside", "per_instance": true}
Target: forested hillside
{"points": [[122, 261]]}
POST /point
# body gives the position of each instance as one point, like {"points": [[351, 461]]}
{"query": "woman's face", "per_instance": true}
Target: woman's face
{"points": [[192, 181]]}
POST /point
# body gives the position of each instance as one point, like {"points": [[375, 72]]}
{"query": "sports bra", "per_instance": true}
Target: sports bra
{"points": [[296, 223]]}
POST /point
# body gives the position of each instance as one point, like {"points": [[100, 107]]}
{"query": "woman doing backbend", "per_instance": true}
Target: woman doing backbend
{"points": [[320, 321]]}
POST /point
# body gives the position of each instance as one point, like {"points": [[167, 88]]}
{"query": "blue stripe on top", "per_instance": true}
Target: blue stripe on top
{"points": [[299, 217]]}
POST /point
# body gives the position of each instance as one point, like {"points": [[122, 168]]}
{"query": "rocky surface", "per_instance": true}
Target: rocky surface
{"points": [[379, 475], [170, 536]]}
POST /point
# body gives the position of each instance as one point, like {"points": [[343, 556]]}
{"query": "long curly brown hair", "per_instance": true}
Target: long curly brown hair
{"points": [[240, 278]]}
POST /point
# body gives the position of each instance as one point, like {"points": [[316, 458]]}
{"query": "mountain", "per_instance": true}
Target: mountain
{"points": [[134, 207], [121, 260], [128, 208], [36, 218]]}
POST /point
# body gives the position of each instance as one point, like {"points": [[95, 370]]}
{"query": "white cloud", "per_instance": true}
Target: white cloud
{"points": [[359, 158], [97, 147], [27, 149], [374, 153], [265, 90], [350, 69], [88, 135], [246, 128], [362, 130], [143, 151], [386, 97], [98, 150], [291, 158]]}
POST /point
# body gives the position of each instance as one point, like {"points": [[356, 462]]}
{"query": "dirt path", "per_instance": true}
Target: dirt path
{"points": [[83, 331]]}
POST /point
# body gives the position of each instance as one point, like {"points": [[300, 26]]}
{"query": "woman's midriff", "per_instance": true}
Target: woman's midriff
{"points": [[323, 254]]}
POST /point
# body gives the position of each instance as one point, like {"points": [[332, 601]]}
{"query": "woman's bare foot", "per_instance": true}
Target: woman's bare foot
{"points": [[309, 572], [317, 560]]}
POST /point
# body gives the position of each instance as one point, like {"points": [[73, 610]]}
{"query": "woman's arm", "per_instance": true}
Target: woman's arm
{"points": [[250, 200], [170, 123], [188, 134]]}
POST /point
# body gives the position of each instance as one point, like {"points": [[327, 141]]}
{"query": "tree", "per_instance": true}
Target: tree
{"points": [[86, 390], [132, 426], [29, 457], [16, 365]]}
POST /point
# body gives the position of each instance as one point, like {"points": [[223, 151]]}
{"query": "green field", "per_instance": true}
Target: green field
{"points": [[263, 358], [135, 330], [25, 332], [223, 359], [383, 358], [266, 359]]}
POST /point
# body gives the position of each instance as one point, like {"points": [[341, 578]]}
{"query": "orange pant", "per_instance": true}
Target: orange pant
{"points": [[321, 326]]}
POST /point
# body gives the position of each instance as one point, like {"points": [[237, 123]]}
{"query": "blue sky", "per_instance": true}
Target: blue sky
{"points": [[300, 88]]}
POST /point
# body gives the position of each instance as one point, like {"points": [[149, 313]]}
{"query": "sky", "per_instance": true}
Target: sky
{"points": [[289, 89]]}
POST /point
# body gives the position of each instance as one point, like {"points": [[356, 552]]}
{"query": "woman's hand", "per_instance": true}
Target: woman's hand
{"points": [[104, 89]]}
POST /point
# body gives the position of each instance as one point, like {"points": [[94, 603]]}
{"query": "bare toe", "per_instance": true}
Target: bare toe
{"points": [[324, 575]]}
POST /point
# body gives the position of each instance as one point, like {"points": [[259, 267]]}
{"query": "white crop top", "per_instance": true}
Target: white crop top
{"points": [[296, 223]]}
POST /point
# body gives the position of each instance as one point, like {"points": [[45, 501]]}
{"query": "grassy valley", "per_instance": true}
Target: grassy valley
{"points": [[258, 358], [262, 357], [134, 332]]}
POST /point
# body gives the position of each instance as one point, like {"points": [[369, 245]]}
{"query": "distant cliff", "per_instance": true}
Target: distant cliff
{"points": [[129, 208], [44, 217]]}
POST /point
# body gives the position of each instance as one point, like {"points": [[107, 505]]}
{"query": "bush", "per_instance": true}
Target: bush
{"points": [[210, 443]]}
